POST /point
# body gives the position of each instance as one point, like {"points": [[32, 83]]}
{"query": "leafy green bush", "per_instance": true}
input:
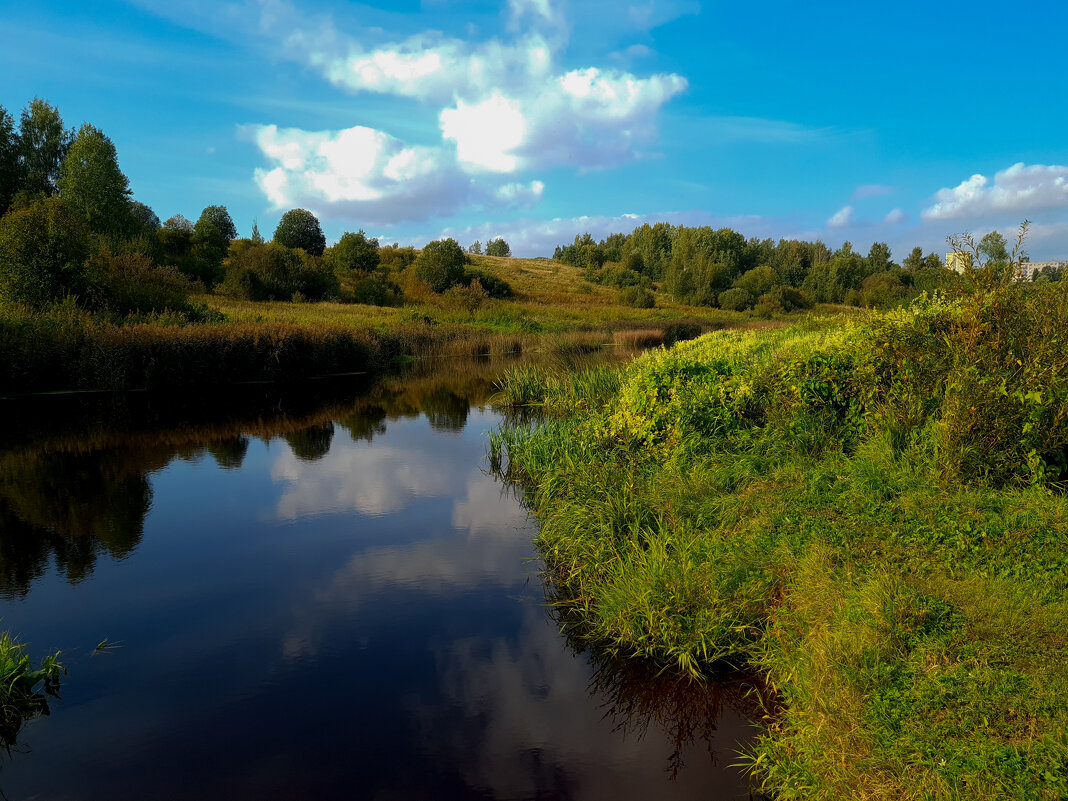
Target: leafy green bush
{"points": [[132, 283], [441, 264], [615, 274], [44, 246], [637, 297], [496, 288], [376, 291], [274, 272], [353, 256], [735, 300]]}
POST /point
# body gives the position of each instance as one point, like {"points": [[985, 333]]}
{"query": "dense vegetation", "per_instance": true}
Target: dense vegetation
{"points": [[721, 268], [872, 512]]}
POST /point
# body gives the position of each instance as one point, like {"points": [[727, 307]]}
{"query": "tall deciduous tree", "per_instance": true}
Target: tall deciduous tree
{"points": [[143, 221], [498, 247], [220, 218], [10, 173], [91, 182], [299, 228], [43, 144]]}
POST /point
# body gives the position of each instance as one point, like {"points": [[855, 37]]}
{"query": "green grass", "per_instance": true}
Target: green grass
{"points": [[23, 688], [796, 500]]}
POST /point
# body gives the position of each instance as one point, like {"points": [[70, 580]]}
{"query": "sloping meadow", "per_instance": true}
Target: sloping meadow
{"points": [[872, 513]]}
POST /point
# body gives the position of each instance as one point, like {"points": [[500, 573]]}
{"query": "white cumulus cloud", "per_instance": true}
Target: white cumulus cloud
{"points": [[366, 173], [895, 217], [1020, 189], [504, 104]]}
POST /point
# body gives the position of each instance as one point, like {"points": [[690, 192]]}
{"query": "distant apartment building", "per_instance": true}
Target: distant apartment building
{"points": [[960, 262]]}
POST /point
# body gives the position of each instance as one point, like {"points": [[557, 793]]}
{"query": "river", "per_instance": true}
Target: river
{"points": [[315, 593]]}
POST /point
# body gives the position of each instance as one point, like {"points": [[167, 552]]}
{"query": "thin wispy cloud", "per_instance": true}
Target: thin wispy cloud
{"points": [[841, 218], [872, 190]]}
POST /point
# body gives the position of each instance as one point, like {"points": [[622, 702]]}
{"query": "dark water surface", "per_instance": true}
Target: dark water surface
{"points": [[319, 595]]}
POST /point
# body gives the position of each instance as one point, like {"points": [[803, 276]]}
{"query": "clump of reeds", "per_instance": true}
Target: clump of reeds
{"points": [[24, 689], [639, 339]]}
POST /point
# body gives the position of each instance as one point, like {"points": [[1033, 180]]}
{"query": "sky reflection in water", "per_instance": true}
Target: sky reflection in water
{"points": [[351, 610]]}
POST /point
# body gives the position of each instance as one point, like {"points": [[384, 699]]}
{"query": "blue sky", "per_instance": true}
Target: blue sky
{"points": [[536, 119]]}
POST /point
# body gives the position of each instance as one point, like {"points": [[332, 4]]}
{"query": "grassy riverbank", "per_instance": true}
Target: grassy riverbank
{"points": [[227, 341], [869, 512]]}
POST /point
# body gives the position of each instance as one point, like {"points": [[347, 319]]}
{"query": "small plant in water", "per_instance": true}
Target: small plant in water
{"points": [[24, 690]]}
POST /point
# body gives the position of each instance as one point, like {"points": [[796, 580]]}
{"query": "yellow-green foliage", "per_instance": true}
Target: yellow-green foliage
{"points": [[871, 512]]}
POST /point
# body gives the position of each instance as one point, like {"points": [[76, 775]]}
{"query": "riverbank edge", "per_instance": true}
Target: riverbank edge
{"points": [[910, 619]]}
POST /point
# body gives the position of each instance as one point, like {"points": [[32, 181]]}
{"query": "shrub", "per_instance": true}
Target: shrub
{"points": [[469, 298], [130, 282], [679, 332], [353, 255], [781, 299], [637, 297], [495, 287], [735, 300], [275, 272], [757, 281], [394, 258], [441, 264], [375, 291], [615, 274], [44, 246]]}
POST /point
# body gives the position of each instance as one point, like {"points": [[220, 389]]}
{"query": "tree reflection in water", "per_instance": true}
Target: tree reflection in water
{"points": [[74, 471], [636, 694], [72, 506]]}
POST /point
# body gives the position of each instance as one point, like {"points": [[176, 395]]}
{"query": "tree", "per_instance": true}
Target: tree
{"points": [[879, 258], [914, 261], [92, 183], [353, 256], [44, 246], [43, 144], [476, 248], [441, 264], [498, 247], [299, 228], [176, 243], [143, 221], [220, 218], [257, 237], [994, 247], [10, 172]]}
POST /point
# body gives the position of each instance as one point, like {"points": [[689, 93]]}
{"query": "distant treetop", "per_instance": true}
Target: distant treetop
{"points": [[299, 228]]}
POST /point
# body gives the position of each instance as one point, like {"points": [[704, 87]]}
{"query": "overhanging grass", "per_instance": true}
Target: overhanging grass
{"points": [[23, 688], [795, 500]]}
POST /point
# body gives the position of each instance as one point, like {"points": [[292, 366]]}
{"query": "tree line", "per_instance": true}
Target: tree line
{"points": [[722, 268], [70, 228]]}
